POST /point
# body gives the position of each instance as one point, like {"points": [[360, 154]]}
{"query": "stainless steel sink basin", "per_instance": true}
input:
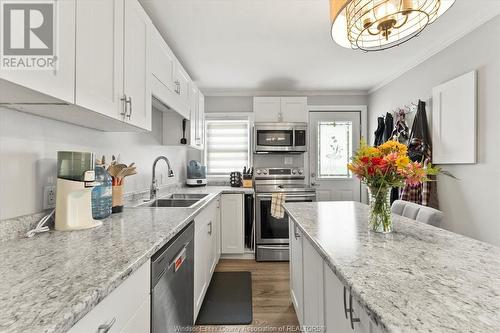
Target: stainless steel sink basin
{"points": [[170, 203], [186, 196], [181, 200]]}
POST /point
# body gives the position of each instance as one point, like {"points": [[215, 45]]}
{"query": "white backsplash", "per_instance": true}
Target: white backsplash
{"points": [[28, 147]]}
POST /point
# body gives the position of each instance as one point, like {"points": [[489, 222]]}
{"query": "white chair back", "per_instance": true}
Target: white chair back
{"points": [[417, 212]]}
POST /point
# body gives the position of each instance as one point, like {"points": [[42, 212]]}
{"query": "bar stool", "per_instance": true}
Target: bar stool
{"points": [[417, 212]]}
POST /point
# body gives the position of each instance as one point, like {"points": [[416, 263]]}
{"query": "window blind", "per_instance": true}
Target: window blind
{"points": [[227, 146]]}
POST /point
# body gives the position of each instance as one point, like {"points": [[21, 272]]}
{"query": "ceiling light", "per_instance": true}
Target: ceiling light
{"points": [[374, 25]]}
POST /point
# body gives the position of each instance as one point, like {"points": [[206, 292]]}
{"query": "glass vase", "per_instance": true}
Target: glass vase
{"points": [[380, 219]]}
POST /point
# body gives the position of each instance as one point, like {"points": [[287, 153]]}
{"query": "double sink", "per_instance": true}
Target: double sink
{"points": [[179, 200]]}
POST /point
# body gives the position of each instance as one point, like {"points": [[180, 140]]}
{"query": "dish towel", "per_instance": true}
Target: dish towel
{"points": [[277, 201]]}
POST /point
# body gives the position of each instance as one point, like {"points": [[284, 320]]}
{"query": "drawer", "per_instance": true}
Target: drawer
{"points": [[119, 306]]}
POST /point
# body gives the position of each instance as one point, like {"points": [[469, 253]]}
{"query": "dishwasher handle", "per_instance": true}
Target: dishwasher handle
{"points": [[179, 258]]}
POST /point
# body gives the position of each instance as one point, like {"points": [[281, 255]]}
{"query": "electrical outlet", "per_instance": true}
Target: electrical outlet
{"points": [[49, 196]]}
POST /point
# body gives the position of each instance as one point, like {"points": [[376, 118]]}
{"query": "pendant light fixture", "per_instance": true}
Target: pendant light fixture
{"points": [[375, 25]]}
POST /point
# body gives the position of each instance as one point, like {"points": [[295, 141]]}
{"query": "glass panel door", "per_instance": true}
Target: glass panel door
{"points": [[334, 149], [333, 138]]}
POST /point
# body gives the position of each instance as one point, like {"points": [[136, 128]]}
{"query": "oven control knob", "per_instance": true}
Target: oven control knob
{"points": [[258, 171], [301, 171], [294, 171], [264, 171]]}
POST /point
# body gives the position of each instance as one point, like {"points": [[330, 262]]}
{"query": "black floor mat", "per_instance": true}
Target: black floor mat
{"points": [[228, 300]]}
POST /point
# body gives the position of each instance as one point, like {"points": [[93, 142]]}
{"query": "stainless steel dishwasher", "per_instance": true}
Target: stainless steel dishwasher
{"points": [[172, 284]]}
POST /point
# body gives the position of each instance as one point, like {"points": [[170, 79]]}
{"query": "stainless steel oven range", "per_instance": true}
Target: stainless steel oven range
{"points": [[272, 243]]}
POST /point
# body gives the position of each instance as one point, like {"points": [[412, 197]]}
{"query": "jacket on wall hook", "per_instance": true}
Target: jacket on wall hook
{"points": [[420, 150]]}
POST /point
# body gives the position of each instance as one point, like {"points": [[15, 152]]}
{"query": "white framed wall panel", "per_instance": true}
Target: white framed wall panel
{"points": [[454, 129]]}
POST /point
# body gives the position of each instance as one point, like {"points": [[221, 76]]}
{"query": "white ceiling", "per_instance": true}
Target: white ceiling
{"points": [[285, 45]]}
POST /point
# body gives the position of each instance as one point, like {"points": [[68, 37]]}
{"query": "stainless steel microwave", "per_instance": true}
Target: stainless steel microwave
{"points": [[280, 137]]}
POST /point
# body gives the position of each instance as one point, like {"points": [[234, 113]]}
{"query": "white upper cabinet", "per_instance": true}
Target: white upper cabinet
{"points": [[163, 69], [111, 60], [162, 60], [59, 83], [136, 83], [182, 83], [201, 120], [197, 118], [193, 107], [99, 60], [294, 109], [266, 109], [282, 109]]}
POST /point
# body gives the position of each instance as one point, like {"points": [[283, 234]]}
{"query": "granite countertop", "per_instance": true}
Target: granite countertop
{"points": [[418, 279], [52, 280]]}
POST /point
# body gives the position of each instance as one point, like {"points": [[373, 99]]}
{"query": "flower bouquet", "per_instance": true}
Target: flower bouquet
{"points": [[382, 168]]}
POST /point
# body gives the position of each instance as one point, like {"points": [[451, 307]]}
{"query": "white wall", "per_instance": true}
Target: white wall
{"points": [[471, 203], [28, 147]]}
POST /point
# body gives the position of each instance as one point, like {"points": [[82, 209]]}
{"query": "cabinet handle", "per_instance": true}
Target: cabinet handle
{"points": [[125, 102], [297, 235], [353, 320], [129, 102], [210, 229], [104, 328], [345, 304], [177, 87]]}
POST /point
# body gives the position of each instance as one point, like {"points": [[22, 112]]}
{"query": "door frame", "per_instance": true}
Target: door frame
{"points": [[363, 110]]}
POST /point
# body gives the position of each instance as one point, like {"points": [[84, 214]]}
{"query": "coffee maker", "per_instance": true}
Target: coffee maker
{"points": [[75, 180], [196, 174]]}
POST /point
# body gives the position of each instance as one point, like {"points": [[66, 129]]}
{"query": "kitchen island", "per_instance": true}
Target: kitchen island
{"points": [[51, 281], [418, 279]]}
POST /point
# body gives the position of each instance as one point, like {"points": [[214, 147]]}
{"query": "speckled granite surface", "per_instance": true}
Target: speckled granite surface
{"points": [[417, 279], [51, 281]]}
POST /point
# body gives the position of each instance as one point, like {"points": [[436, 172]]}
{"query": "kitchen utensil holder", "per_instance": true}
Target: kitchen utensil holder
{"points": [[235, 179], [247, 181], [117, 201]]}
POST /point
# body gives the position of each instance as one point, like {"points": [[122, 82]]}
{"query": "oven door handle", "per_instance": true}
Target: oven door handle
{"points": [[288, 195], [273, 247]]}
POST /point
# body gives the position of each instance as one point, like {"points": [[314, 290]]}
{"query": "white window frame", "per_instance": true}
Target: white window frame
{"points": [[228, 116]]}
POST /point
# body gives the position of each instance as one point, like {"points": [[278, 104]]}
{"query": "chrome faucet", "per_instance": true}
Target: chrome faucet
{"points": [[154, 183]]}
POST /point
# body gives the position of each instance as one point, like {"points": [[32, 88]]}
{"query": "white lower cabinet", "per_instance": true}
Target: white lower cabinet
{"points": [[232, 220], [336, 314], [141, 320], [296, 278], [320, 299], [313, 286], [126, 309], [338, 301], [205, 251]]}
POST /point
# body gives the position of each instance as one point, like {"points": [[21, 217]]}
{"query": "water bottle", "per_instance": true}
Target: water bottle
{"points": [[101, 194]]}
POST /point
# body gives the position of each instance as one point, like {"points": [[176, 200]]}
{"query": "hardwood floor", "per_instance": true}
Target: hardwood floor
{"points": [[272, 307]]}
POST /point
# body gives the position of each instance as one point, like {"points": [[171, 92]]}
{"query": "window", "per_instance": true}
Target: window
{"points": [[334, 149], [227, 146]]}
